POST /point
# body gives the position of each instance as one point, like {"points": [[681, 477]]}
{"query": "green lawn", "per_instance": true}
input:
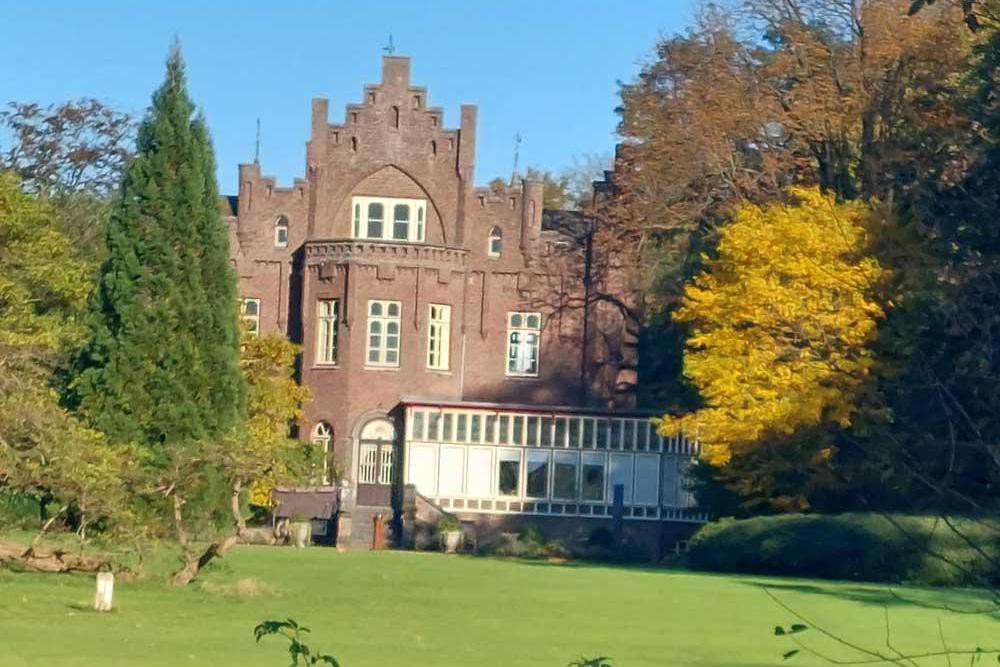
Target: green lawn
{"points": [[395, 608]]}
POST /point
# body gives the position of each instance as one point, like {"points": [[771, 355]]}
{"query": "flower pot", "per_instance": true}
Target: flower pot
{"points": [[452, 540], [301, 533]]}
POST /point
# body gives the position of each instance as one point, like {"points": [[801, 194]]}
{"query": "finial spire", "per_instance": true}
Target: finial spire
{"points": [[517, 152], [389, 48], [256, 148]]}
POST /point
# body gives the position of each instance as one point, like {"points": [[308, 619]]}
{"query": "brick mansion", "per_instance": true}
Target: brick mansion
{"points": [[452, 358]]}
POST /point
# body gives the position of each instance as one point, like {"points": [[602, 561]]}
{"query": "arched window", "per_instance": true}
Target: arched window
{"points": [[495, 243], [321, 437], [281, 232], [375, 462]]}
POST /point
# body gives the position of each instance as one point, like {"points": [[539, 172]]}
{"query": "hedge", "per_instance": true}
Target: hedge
{"points": [[862, 547]]}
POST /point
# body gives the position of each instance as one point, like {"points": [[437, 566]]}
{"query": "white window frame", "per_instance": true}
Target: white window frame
{"points": [[322, 435], [384, 321], [281, 225], [439, 337], [327, 321], [496, 235], [252, 318], [368, 463], [521, 357], [416, 224]]}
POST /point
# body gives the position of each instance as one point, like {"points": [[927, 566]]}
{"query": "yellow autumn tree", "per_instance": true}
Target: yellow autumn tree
{"points": [[782, 321]]}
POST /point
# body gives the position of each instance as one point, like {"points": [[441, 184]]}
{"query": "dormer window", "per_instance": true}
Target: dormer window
{"points": [[495, 245], [370, 222], [281, 232]]}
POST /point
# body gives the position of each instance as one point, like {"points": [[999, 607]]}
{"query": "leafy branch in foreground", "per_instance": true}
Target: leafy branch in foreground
{"points": [[292, 631]]}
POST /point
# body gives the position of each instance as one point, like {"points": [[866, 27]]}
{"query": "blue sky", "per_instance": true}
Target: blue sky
{"points": [[546, 69]]}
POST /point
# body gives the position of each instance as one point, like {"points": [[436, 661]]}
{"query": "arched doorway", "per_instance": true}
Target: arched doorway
{"points": [[376, 463]]}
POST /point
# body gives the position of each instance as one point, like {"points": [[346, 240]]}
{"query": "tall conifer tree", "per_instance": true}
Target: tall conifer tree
{"points": [[162, 363]]}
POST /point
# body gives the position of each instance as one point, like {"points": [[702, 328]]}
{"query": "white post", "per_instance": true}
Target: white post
{"points": [[105, 591]]}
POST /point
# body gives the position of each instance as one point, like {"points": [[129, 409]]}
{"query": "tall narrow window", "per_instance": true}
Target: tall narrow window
{"points": [[508, 472], [395, 117], [537, 474], [321, 437], [375, 218], [564, 466], [420, 223], [496, 242], [523, 332], [401, 222], [250, 312], [357, 220], [439, 337], [281, 232], [383, 333], [327, 313], [593, 476]]}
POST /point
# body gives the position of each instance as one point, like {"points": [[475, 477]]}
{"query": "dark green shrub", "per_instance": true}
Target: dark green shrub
{"points": [[532, 534], [864, 547]]}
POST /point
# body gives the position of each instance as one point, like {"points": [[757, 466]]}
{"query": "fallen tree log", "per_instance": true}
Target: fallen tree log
{"points": [[56, 561]]}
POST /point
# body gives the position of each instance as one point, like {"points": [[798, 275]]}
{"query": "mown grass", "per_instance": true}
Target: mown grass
{"points": [[396, 608]]}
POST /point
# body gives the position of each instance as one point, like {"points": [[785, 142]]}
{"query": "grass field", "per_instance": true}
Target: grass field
{"points": [[396, 608]]}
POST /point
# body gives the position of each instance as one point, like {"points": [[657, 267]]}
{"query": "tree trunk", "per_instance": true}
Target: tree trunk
{"points": [[234, 503], [191, 563]]}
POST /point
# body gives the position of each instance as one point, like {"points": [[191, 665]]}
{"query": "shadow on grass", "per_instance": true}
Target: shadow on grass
{"points": [[961, 601]]}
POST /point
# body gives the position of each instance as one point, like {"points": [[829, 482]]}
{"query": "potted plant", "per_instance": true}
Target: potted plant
{"points": [[451, 533], [300, 530]]}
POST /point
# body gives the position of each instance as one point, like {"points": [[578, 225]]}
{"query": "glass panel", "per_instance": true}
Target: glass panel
{"points": [[417, 428], [475, 432], [621, 473], [375, 308], [593, 476], [628, 434], [588, 433], [534, 321], [602, 433], [357, 220], [447, 422], [537, 477], [564, 475], [560, 440], [515, 320], [433, 422], [401, 222], [643, 429], [518, 437], [532, 439], [647, 478], [546, 434], [574, 432], [616, 434], [375, 217], [489, 433], [508, 472], [504, 429], [393, 309], [461, 428]]}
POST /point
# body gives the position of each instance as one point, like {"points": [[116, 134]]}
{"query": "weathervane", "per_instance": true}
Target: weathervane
{"points": [[389, 48]]}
